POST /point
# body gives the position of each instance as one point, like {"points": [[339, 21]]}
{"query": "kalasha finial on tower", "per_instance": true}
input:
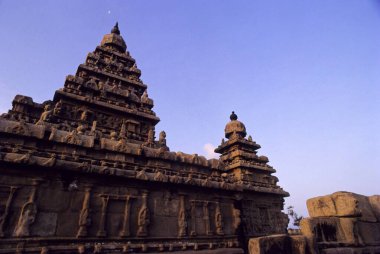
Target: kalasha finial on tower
{"points": [[235, 128], [233, 116], [115, 29], [114, 40]]}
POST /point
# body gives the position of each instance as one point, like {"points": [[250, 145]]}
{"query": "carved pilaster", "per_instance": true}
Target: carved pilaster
{"points": [[4, 217], [206, 218], [102, 223], [182, 223], [125, 232], [218, 219], [28, 214], [84, 217], [193, 231], [143, 216]]}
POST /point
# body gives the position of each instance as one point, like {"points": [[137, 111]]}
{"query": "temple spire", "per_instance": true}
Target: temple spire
{"points": [[115, 29], [113, 40]]}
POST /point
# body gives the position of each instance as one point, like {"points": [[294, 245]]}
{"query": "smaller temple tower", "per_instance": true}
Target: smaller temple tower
{"points": [[261, 212], [239, 156]]}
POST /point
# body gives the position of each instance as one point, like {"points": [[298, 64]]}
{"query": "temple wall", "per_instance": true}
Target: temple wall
{"points": [[48, 204]]}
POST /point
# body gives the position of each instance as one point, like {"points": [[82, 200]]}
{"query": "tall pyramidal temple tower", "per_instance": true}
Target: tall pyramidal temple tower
{"points": [[84, 173]]}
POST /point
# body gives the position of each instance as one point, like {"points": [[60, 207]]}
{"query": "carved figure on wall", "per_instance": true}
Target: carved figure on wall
{"points": [[123, 130], [159, 176], [81, 129], [28, 214], [44, 250], [121, 145], [236, 218], [91, 83], [4, 216], [27, 217], [58, 108], [73, 138], [21, 128], [143, 217], [150, 136], [162, 139], [84, 116], [218, 220], [84, 217], [93, 129], [46, 115], [193, 231]]}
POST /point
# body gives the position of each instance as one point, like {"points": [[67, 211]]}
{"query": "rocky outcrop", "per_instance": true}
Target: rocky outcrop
{"points": [[343, 219]]}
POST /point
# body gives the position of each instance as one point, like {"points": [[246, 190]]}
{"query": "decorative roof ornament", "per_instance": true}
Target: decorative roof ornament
{"points": [[235, 128], [233, 116], [114, 41], [115, 29]]}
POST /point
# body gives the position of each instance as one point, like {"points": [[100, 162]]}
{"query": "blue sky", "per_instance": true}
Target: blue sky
{"points": [[304, 76]]}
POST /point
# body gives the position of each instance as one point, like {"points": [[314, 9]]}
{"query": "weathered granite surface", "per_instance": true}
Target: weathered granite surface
{"points": [[343, 219], [84, 173], [340, 223]]}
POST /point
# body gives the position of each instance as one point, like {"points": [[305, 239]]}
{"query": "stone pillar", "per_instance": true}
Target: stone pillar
{"points": [[4, 217], [206, 218], [102, 224], [182, 223], [84, 219], [193, 231], [125, 232]]}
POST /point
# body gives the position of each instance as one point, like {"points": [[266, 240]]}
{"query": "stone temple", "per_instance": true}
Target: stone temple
{"points": [[84, 173]]}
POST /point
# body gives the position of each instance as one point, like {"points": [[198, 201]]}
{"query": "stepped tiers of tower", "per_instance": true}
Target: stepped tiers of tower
{"points": [[84, 173]]}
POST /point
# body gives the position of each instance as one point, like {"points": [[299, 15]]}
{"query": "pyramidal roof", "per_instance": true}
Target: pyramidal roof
{"points": [[105, 109]]}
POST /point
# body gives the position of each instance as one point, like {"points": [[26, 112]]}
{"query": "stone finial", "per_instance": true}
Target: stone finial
{"points": [[233, 116], [235, 128], [115, 29]]}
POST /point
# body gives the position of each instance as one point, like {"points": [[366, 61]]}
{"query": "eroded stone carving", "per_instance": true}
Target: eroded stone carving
{"points": [[143, 216], [4, 216], [182, 221], [102, 223], [236, 218], [125, 232], [218, 219], [84, 217], [27, 215], [45, 116]]}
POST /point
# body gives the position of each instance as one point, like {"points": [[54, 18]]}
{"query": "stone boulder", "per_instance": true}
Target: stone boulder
{"points": [[275, 244], [375, 204], [343, 204]]}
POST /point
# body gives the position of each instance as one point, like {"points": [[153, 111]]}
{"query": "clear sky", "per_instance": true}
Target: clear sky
{"points": [[304, 76]]}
